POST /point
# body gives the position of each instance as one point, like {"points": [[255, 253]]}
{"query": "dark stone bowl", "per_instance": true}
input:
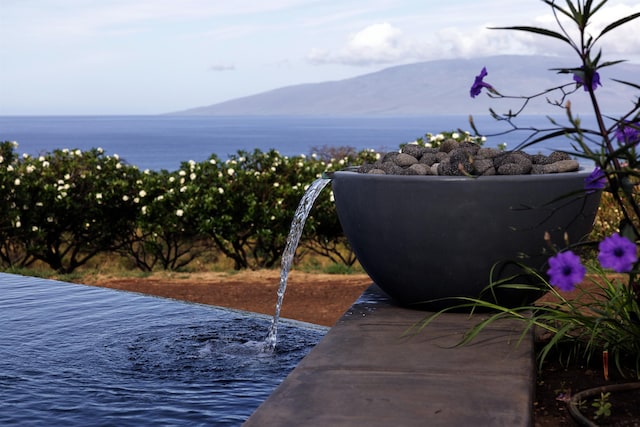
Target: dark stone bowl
{"points": [[424, 240]]}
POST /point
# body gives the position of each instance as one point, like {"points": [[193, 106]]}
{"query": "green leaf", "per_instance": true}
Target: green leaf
{"points": [[619, 22], [634, 85], [535, 30], [570, 15]]}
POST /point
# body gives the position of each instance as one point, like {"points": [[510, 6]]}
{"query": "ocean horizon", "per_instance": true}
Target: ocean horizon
{"points": [[159, 142]]}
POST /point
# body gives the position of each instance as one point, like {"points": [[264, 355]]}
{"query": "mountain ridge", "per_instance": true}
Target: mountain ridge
{"points": [[429, 88]]}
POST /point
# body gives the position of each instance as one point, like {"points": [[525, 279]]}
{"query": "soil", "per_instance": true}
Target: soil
{"points": [[323, 298]]}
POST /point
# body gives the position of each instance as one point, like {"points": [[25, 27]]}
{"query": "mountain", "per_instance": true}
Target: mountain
{"points": [[434, 87]]}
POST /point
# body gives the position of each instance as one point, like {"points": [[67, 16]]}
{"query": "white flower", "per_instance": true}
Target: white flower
{"points": [[18, 224], [179, 212], [45, 164], [16, 182], [115, 156], [49, 219], [78, 152], [34, 228], [136, 200], [144, 210], [276, 184], [183, 189], [230, 171], [118, 165], [142, 193], [192, 176], [1, 159], [125, 198], [212, 161], [220, 190], [182, 173], [100, 150], [171, 179]]}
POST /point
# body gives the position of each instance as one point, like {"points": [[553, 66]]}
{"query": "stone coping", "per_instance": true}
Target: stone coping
{"points": [[365, 373]]}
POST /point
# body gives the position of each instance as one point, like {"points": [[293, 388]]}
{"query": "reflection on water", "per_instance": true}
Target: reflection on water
{"points": [[78, 355]]}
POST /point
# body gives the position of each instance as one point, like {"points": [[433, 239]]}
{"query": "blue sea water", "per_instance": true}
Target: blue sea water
{"points": [[163, 142]]}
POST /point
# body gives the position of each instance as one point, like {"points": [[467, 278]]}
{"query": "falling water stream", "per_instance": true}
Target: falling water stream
{"points": [[297, 226]]}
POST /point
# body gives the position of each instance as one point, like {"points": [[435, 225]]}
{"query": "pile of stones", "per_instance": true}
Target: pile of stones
{"points": [[466, 158]]}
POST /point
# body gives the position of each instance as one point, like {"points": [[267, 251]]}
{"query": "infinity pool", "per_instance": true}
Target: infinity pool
{"points": [[75, 355]]}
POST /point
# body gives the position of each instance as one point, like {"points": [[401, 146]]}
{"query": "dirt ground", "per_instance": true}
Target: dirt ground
{"points": [[313, 298]]}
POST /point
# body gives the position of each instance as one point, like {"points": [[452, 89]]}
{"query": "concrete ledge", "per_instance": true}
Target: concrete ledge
{"points": [[363, 373]]}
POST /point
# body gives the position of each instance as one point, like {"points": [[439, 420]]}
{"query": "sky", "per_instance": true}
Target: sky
{"points": [[95, 57]]}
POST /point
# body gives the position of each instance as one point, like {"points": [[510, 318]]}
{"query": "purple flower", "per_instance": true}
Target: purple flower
{"points": [[478, 84], [628, 133], [595, 181], [579, 77], [617, 253], [566, 270]]}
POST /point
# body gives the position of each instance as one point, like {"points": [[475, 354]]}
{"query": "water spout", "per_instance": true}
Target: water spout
{"points": [[295, 233]]}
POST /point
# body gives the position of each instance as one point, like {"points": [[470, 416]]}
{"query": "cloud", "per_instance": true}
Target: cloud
{"points": [[408, 41], [386, 44], [375, 44], [222, 67]]}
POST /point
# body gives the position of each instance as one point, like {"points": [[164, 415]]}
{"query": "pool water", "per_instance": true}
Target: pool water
{"points": [[75, 355]]}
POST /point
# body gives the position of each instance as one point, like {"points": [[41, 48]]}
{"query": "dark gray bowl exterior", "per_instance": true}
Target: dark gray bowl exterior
{"points": [[427, 238]]}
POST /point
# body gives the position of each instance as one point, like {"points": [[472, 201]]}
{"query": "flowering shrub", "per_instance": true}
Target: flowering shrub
{"points": [[66, 207], [436, 140], [607, 318], [248, 201], [167, 232]]}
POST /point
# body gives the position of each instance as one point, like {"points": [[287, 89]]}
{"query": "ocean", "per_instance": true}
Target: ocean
{"points": [[163, 142]]}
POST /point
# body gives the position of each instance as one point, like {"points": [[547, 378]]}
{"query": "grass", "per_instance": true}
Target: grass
{"points": [[113, 266]]}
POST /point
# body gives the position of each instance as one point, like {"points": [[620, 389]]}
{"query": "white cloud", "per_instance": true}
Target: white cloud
{"points": [[222, 67], [407, 41], [375, 44]]}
